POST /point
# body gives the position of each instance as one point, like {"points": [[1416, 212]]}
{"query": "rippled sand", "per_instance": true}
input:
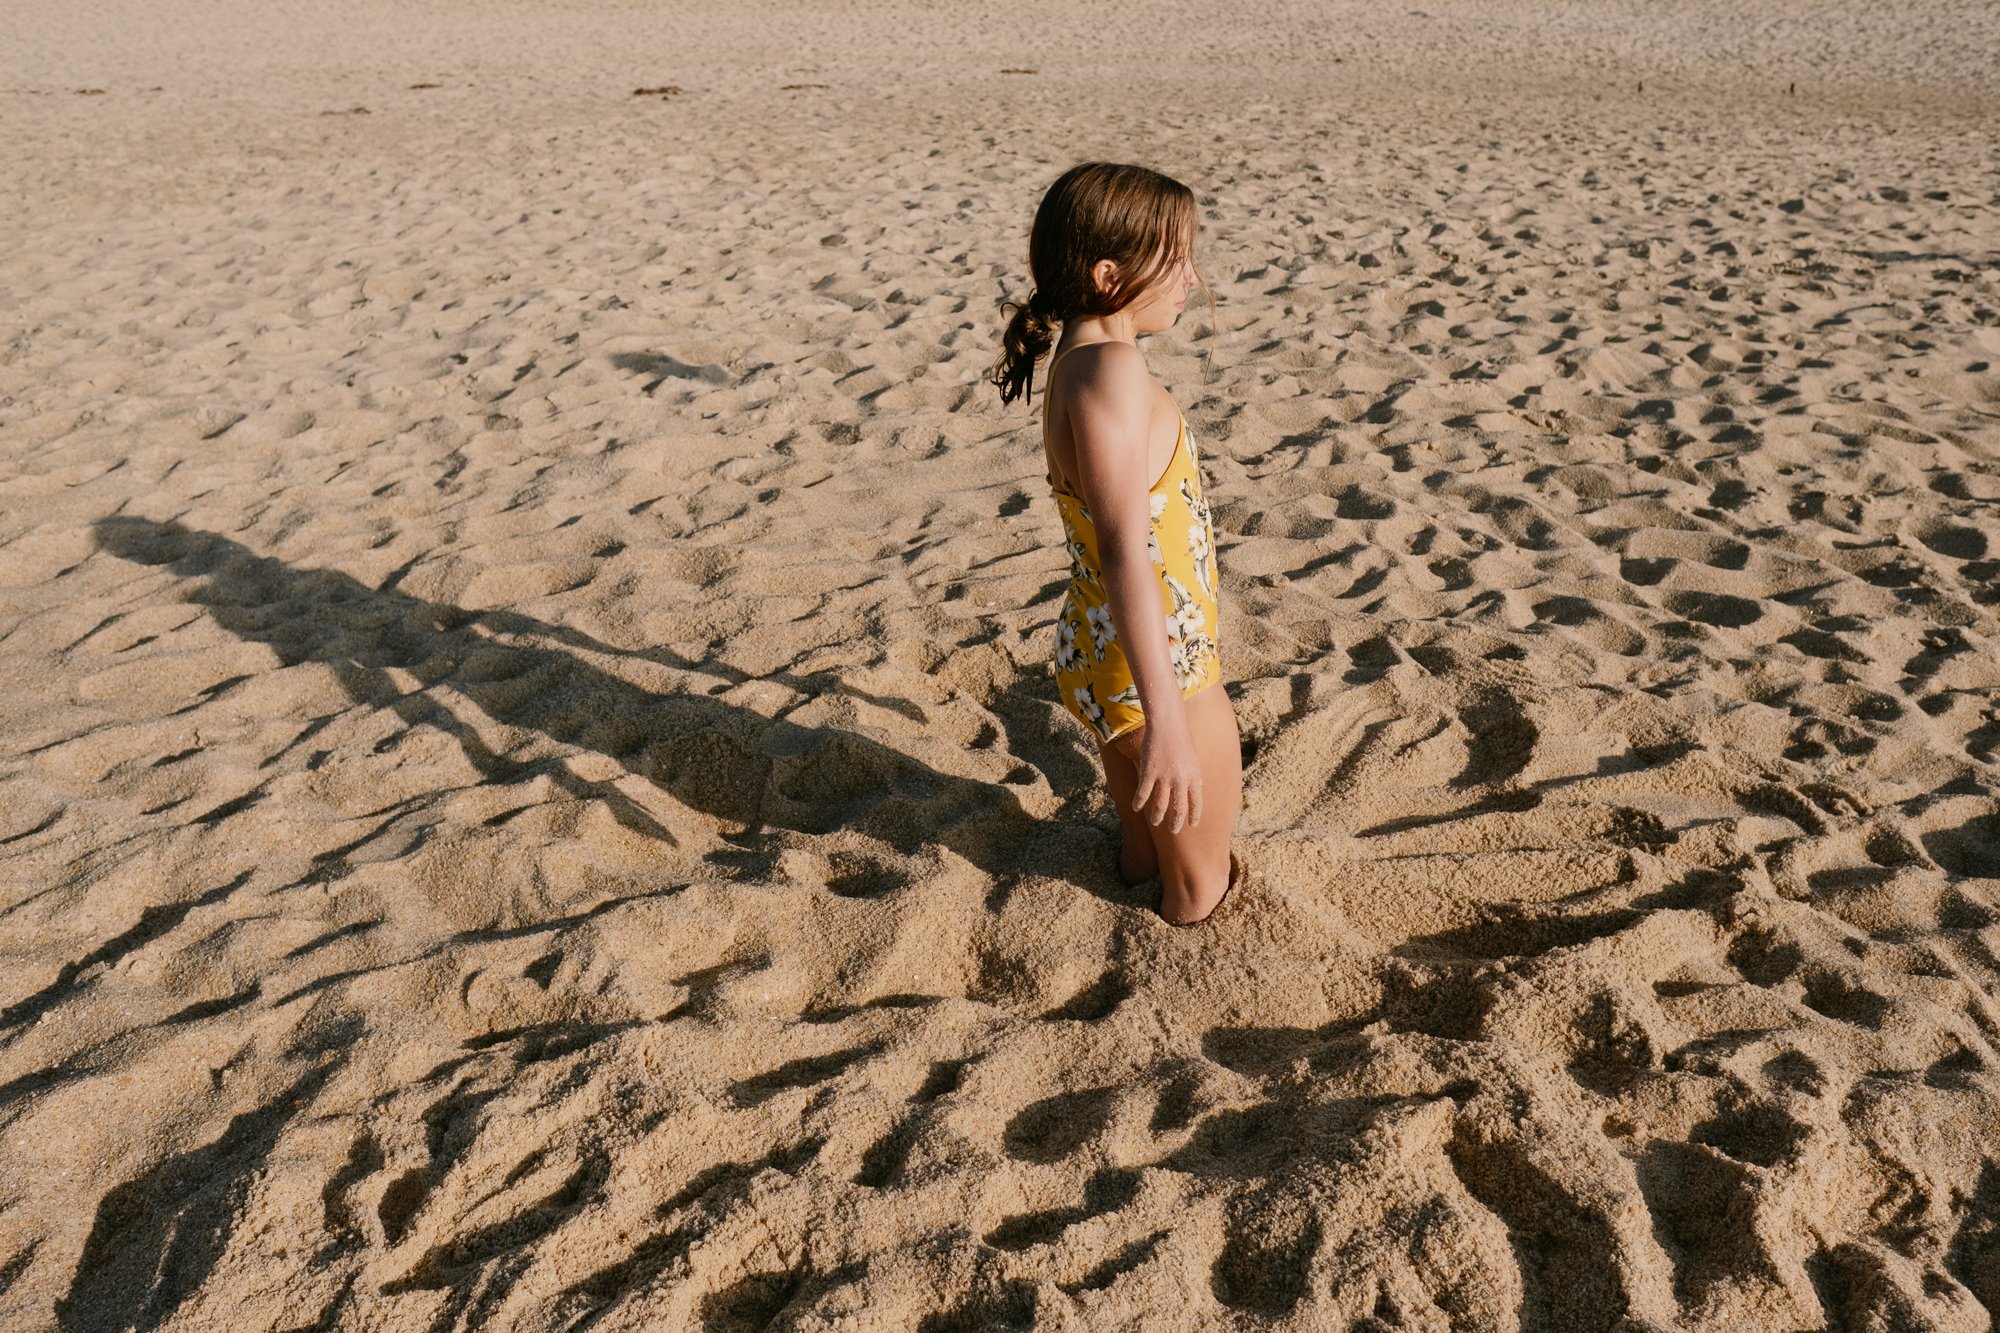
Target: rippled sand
{"points": [[531, 795]]}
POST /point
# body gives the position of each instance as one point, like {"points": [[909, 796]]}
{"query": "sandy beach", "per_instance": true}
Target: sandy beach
{"points": [[531, 791]]}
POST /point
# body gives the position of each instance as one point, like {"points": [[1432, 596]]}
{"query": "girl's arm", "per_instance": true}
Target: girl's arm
{"points": [[1111, 419]]}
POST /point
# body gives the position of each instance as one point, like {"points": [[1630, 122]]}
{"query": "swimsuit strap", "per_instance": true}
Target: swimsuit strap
{"points": [[1053, 483]]}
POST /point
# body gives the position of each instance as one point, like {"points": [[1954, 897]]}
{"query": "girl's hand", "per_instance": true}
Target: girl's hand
{"points": [[1169, 785]]}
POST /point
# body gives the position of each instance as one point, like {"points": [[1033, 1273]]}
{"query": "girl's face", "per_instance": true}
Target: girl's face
{"points": [[1160, 305]]}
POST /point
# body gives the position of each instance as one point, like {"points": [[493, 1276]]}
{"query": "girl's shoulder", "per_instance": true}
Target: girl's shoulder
{"points": [[1103, 351], [1107, 369]]}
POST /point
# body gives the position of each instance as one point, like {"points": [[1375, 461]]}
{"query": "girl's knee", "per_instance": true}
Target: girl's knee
{"points": [[1196, 876]]}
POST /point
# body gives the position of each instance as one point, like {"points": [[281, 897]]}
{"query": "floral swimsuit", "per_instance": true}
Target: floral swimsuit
{"points": [[1091, 671]]}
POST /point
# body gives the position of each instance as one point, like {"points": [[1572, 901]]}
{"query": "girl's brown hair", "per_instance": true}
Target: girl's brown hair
{"points": [[1140, 220]]}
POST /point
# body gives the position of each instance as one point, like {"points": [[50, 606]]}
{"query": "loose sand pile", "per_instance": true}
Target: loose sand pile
{"points": [[531, 795]]}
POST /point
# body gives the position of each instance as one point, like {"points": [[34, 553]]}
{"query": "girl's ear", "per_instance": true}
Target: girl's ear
{"points": [[1104, 273]]}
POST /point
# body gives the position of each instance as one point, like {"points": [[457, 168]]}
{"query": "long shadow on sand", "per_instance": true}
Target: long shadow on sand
{"points": [[157, 1237], [390, 649]]}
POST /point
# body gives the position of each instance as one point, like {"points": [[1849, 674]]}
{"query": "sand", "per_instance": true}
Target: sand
{"points": [[531, 795]]}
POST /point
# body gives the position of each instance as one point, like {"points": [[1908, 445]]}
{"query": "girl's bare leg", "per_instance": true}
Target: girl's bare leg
{"points": [[1193, 864], [1137, 859]]}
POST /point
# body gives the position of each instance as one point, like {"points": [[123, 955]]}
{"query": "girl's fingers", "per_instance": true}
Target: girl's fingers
{"points": [[1140, 793], [1163, 800]]}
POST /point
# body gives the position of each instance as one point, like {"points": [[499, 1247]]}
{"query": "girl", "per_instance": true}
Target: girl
{"points": [[1136, 660]]}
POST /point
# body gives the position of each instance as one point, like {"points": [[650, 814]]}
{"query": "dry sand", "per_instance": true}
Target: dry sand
{"points": [[532, 795]]}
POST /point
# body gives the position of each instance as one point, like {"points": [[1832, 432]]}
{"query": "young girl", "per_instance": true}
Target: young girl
{"points": [[1136, 660]]}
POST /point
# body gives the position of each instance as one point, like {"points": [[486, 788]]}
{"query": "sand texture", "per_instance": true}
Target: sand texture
{"points": [[531, 791]]}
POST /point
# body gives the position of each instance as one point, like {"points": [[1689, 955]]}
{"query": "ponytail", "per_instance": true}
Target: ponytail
{"points": [[1031, 332]]}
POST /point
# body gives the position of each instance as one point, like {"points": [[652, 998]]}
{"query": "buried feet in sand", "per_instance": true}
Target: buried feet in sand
{"points": [[1186, 908], [1136, 867], [1195, 865], [1137, 864]]}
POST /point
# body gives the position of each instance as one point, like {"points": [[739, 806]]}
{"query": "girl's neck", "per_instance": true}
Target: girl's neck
{"points": [[1116, 327]]}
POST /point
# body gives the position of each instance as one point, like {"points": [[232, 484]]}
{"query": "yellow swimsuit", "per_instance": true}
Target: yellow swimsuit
{"points": [[1091, 672]]}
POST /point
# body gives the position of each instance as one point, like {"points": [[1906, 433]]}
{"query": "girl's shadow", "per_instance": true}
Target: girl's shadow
{"points": [[749, 771]]}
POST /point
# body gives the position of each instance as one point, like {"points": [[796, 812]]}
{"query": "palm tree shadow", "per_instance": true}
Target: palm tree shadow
{"points": [[753, 773]]}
